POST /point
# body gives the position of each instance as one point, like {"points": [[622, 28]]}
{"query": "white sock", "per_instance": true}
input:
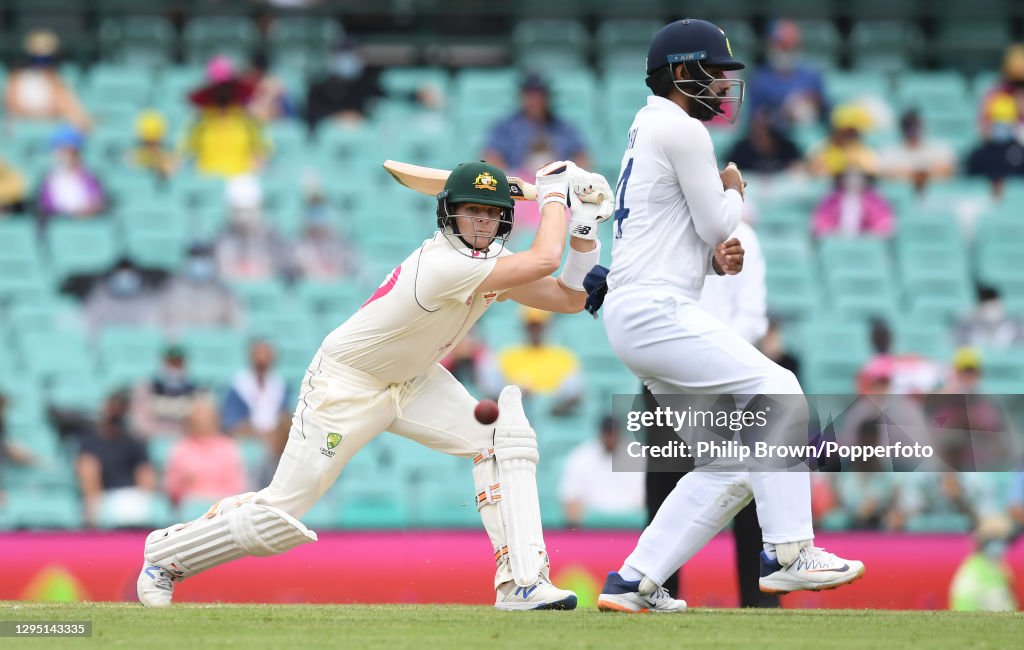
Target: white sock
{"points": [[630, 574], [769, 550]]}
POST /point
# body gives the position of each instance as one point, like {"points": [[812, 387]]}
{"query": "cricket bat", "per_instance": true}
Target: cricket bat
{"points": [[429, 180]]}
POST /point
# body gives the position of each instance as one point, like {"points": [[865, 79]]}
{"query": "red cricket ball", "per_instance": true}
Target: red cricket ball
{"points": [[486, 411]]}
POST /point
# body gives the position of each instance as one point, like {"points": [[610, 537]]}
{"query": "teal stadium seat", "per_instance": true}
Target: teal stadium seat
{"points": [[143, 40], [44, 509], [119, 83], [214, 354], [974, 44], [129, 353], [923, 337], [481, 97], [232, 36], [623, 44], [885, 45], [82, 247], [22, 269], [821, 42], [547, 44], [46, 355]]}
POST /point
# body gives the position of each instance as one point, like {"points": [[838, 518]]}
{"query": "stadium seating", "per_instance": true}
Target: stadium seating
{"points": [[948, 239]]}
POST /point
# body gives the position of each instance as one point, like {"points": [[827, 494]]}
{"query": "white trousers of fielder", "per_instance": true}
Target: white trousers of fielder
{"points": [[675, 347]]}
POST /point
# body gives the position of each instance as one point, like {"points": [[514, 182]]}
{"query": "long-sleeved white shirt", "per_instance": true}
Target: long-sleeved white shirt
{"points": [[671, 209], [739, 300]]}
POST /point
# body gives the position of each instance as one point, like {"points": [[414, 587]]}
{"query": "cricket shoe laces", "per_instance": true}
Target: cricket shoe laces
{"points": [[814, 569], [659, 598]]}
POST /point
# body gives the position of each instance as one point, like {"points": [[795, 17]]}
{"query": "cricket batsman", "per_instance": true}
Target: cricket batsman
{"points": [[378, 371], [674, 214]]}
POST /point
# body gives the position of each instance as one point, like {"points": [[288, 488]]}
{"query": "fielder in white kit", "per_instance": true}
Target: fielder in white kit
{"points": [[674, 213], [379, 371]]}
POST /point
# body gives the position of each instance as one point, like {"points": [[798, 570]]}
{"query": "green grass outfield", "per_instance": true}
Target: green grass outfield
{"points": [[192, 627]]}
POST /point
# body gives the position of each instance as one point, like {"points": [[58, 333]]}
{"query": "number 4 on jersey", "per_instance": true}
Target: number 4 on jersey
{"points": [[622, 212]]}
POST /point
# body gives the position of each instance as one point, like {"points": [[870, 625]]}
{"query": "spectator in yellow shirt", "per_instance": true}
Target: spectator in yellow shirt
{"points": [[225, 140], [540, 368], [844, 148]]}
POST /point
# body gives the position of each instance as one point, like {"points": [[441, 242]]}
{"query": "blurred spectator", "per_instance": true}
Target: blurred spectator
{"points": [[773, 346], [36, 91], [1000, 155], [161, 404], [249, 248], [151, 151], [224, 140], [844, 149], [321, 252], [765, 149], [269, 100], [472, 363], [1009, 87], [541, 368], [534, 135], [942, 500], [865, 491], [196, 297], [854, 208], [915, 158], [966, 372], [906, 374], [9, 452], [346, 92], [205, 464], [69, 188], [989, 326], [589, 484], [121, 297], [1016, 499], [739, 301], [789, 91], [113, 465], [257, 402], [985, 581], [13, 189]]}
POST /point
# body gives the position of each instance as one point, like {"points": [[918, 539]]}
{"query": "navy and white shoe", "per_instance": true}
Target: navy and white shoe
{"points": [[814, 569], [636, 597], [540, 595]]}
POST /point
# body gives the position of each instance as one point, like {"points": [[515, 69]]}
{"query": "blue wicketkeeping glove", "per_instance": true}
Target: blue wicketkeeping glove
{"points": [[596, 285]]}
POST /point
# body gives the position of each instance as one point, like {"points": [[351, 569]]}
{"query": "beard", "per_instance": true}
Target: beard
{"points": [[705, 113]]}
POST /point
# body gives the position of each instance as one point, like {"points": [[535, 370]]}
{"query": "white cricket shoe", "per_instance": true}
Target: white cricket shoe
{"points": [[540, 595], [636, 597], [155, 585], [814, 569]]}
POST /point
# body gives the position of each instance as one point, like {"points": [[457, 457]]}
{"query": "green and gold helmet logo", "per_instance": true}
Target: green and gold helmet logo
{"points": [[485, 181], [727, 45], [333, 440]]}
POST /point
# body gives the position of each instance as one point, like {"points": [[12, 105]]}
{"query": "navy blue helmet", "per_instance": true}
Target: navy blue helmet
{"points": [[698, 45]]}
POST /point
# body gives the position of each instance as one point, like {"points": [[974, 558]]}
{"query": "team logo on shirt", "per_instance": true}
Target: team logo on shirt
{"points": [[489, 297], [485, 181], [333, 440]]}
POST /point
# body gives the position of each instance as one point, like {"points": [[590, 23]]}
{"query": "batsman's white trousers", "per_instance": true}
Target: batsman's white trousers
{"points": [[675, 347], [433, 409]]}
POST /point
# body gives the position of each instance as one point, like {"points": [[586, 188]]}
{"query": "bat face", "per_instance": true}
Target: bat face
{"points": [[429, 180]]}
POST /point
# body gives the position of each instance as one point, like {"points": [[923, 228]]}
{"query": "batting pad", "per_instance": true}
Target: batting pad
{"points": [[229, 531], [515, 450]]}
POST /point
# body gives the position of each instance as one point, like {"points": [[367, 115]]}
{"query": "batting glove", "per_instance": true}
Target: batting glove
{"points": [[587, 212], [553, 182]]}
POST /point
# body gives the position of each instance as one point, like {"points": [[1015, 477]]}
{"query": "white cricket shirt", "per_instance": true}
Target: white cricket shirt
{"points": [[671, 210]]}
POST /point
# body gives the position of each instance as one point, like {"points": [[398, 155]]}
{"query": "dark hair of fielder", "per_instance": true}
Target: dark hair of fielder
{"points": [[660, 81]]}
